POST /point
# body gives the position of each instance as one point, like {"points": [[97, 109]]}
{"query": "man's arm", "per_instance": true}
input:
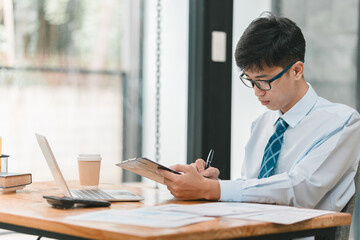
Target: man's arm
{"points": [[331, 161]]}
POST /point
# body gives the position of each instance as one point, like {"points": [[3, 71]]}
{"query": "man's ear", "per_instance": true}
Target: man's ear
{"points": [[298, 70]]}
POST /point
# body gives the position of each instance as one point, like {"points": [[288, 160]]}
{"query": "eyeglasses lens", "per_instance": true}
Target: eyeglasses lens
{"points": [[263, 85], [248, 83]]}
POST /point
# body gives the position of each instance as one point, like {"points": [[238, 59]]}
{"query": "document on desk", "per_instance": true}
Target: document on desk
{"points": [[142, 217], [289, 216], [177, 215], [252, 211], [219, 209]]}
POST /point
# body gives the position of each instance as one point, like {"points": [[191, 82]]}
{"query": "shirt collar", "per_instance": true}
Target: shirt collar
{"points": [[300, 109]]}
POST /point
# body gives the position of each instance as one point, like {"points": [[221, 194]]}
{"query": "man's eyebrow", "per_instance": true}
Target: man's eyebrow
{"points": [[257, 76]]}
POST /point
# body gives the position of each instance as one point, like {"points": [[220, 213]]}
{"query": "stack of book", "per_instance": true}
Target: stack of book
{"points": [[10, 182]]}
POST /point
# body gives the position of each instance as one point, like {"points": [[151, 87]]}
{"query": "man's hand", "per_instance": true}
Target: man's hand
{"points": [[212, 173], [191, 184]]}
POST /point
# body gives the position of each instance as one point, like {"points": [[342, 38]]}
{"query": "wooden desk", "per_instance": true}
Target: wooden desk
{"points": [[27, 212]]}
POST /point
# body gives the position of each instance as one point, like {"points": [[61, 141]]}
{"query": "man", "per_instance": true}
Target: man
{"points": [[303, 152]]}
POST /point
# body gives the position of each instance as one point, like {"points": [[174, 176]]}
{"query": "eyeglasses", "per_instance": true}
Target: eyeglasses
{"points": [[263, 85]]}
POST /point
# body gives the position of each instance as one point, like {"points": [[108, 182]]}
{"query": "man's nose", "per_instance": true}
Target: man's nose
{"points": [[258, 92]]}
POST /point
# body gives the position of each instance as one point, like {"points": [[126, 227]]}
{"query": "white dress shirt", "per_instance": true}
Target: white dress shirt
{"points": [[317, 162]]}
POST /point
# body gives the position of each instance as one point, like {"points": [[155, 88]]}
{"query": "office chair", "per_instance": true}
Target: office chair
{"points": [[343, 232]]}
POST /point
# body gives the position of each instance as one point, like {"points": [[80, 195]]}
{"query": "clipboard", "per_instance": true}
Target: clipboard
{"points": [[146, 168]]}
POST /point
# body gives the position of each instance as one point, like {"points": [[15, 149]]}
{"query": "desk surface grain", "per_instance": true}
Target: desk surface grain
{"points": [[28, 208]]}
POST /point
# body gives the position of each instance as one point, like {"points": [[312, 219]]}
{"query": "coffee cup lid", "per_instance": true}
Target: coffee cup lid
{"points": [[89, 157]]}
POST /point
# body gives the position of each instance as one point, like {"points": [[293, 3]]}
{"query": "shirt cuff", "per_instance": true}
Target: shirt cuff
{"points": [[230, 190]]}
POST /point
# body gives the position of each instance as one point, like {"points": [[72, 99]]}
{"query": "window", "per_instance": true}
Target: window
{"points": [[63, 67], [331, 45]]}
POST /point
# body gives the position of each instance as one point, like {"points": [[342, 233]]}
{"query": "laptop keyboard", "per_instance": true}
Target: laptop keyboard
{"points": [[92, 194]]}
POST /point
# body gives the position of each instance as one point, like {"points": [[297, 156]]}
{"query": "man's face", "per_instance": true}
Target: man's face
{"points": [[283, 93]]}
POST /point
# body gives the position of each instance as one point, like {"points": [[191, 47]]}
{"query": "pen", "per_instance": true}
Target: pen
{"points": [[209, 158]]}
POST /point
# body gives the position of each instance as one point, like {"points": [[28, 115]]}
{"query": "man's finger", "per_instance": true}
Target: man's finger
{"points": [[167, 181], [200, 165], [211, 172], [166, 174], [181, 168]]}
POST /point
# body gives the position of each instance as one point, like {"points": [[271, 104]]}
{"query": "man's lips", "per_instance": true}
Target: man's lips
{"points": [[263, 102]]}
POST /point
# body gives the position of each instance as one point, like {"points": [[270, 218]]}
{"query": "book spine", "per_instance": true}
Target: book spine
{"points": [[15, 180]]}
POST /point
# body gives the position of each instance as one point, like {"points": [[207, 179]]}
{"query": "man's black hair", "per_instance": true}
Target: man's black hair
{"points": [[270, 41]]}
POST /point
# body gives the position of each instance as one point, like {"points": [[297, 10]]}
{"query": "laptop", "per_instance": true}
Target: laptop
{"points": [[112, 195]]}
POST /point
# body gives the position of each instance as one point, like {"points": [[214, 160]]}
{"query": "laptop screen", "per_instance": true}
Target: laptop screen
{"points": [[50, 159]]}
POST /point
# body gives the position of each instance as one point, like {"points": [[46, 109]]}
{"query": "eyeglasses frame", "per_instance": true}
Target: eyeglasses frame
{"points": [[255, 82]]}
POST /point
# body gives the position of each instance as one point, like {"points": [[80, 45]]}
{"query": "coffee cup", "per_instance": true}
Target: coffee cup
{"points": [[89, 170]]}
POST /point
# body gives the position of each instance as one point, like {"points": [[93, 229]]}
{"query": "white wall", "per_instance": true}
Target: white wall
{"points": [[174, 77], [245, 107]]}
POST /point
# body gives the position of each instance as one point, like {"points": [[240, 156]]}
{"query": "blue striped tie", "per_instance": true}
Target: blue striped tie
{"points": [[272, 150]]}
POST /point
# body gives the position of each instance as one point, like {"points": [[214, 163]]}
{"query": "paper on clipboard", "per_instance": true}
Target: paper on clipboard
{"points": [[145, 167]]}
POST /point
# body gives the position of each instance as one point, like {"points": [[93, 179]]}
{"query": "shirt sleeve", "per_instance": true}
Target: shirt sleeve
{"points": [[330, 161]]}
